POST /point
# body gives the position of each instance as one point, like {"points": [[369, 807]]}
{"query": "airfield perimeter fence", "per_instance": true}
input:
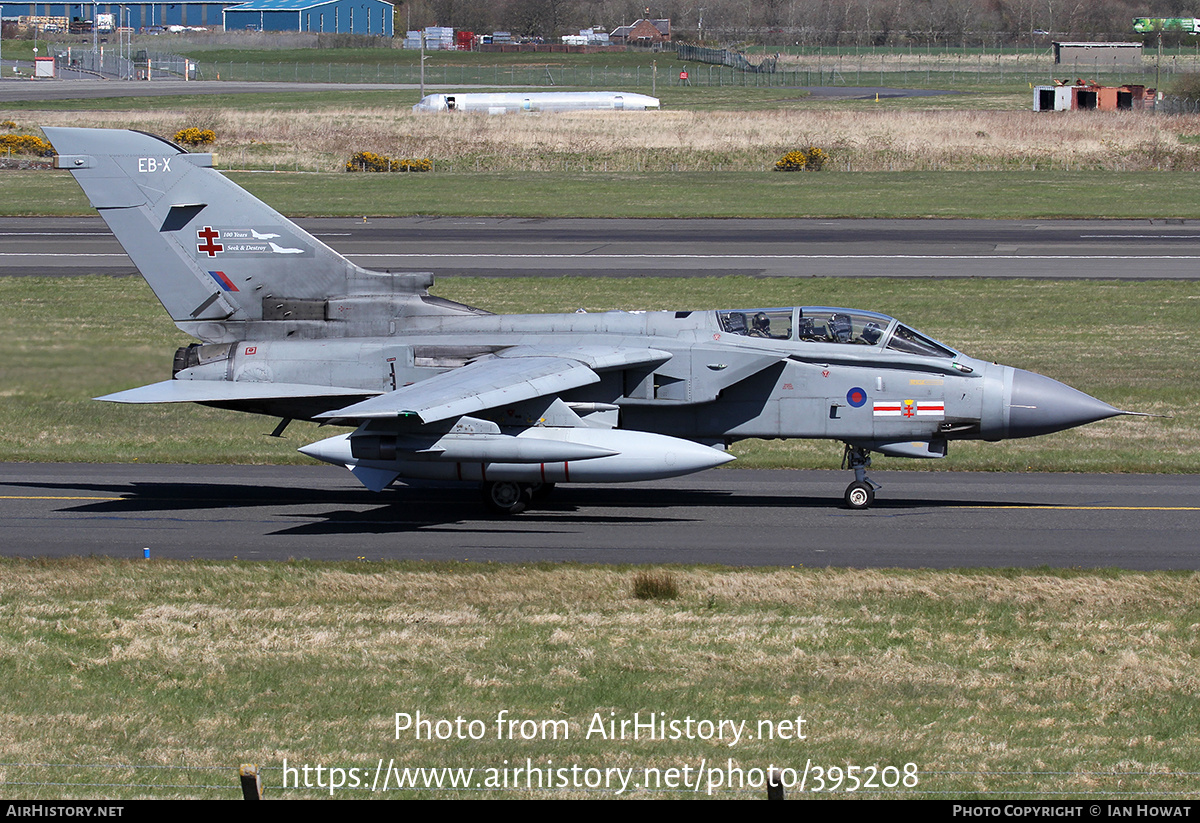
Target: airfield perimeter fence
{"points": [[863, 69], [110, 62], [102, 63], [1178, 105], [41, 782]]}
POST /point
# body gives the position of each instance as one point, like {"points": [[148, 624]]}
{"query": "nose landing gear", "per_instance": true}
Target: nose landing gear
{"points": [[861, 493]]}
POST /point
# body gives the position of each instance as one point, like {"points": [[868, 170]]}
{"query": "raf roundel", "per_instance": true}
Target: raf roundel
{"points": [[856, 397]]}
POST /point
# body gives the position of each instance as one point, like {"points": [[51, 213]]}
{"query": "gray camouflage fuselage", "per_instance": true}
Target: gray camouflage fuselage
{"points": [[434, 388]]}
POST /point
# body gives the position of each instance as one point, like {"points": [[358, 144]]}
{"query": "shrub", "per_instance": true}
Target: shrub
{"points": [[1186, 85], [810, 159], [655, 586], [8, 124], [422, 164], [195, 137], [370, 161], [25, 144]]}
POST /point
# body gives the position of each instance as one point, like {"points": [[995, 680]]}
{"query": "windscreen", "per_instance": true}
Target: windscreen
{"points": [[910, 342]]}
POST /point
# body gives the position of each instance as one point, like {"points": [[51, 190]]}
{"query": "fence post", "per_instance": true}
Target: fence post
{"points": [[251, 782]]}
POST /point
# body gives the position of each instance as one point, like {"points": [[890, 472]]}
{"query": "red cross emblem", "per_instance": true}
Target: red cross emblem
{"points": [[208, 235], [909, 411]]}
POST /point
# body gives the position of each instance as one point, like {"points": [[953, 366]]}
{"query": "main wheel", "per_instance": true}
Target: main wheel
{"points": [[505, 496], [859, 495]]}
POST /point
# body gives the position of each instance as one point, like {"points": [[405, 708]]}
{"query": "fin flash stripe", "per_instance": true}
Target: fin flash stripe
{"points": [[223, 281]]}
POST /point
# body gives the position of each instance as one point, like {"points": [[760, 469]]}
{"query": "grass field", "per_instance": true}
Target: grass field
{"points": [[992, 685], [713, 131], [1075, 194], [63, 341]]}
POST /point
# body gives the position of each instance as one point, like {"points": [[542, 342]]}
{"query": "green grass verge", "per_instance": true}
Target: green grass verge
{"points": [[575, 193], [148, 679], [63, 341], [725, 98], [974, 70]]}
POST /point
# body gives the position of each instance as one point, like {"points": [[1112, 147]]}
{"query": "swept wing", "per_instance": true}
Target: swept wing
{"points": [[518, 374]]}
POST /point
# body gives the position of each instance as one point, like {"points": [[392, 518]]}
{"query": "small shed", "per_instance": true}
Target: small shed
{"points": [[317, 16], [1092, 96]]}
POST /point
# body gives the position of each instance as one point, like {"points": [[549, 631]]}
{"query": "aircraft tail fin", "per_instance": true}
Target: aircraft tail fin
{"points": [[211, 252]]}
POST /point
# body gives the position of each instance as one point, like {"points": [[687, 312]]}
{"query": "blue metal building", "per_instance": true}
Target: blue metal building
{"points": [[330, 16], [139, 15], [317, 16]]}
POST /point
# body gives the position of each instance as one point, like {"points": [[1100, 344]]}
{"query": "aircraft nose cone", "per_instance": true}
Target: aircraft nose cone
{"points": [[1039, 405]]}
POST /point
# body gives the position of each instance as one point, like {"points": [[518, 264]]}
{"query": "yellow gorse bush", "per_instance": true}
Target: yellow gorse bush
{"points": [[810, 159], [25, 144], [194, 136], [415, 164], [370, 161]]}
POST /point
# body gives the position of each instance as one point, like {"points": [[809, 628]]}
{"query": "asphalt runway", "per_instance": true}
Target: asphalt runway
{"points": [[736, 517], [499, 247]]}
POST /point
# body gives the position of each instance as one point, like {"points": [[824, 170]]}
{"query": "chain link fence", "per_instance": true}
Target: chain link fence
{"points": [[938, 71], [159, 62], [1178, 105], [706, 67], [101, 63], [724, 57], [135, 64]]}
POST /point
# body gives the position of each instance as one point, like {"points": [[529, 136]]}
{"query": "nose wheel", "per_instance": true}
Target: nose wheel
{"points": [[861, 493]]}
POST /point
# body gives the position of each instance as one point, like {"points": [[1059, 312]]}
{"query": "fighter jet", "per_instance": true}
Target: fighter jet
{"points": [[517, 403]]}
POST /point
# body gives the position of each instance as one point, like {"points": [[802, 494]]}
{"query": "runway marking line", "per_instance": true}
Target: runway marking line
{"points": [[1052, 507]]}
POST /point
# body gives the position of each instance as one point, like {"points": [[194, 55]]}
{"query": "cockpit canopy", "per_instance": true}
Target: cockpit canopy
{"points": [[818, 324]]}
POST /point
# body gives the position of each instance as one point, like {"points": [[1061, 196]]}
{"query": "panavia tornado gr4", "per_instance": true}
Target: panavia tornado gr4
{"points": [[517, 403]]}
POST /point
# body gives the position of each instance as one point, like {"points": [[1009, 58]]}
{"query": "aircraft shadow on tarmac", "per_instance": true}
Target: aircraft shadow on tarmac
{"points": [[433, 505]]}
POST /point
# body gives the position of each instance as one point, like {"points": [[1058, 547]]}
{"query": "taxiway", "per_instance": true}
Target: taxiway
{"points": [[735, 517]]}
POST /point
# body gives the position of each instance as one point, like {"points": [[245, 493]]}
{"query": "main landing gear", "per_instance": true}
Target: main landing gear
{"points": [[511, 497], [861, 493]]}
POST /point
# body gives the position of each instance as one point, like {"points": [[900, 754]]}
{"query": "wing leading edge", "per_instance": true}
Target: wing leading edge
{"points": [[516, 375], [223, 391], [473, 388]]}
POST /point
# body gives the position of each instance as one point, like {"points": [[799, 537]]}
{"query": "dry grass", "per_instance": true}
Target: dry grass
{"points": [[887, 140], [1000, 683], [655, 585]]}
